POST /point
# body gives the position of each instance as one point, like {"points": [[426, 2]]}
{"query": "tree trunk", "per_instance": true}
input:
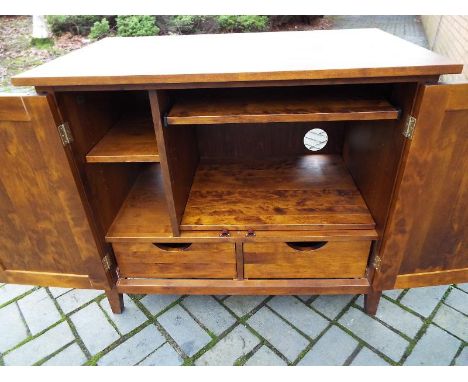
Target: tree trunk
{"points": [[40, 29]]}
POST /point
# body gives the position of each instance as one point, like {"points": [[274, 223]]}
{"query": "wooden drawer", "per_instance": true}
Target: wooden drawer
{"points": [[176, 260], [345, 259]]}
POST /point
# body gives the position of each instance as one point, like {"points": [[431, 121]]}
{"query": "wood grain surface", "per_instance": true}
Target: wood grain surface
{"points": [[282, 261], [330, 54], [198, 260], [300, 193], [267, 105], [132, 139]]}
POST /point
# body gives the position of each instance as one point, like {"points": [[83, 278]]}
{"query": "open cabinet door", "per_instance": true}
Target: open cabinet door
{"points": [[425, 241], [45, 233]]}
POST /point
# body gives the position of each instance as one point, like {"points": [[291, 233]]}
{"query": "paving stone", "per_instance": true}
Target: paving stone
{"points": [[242, 305], [435, 348], [394, 293], [155, 303], [93, 328], [332, 349], [283, 337], [299, 315], [423, 300], [462, 359], [331, 305], [10, 291], [210, 313], [374, 333], [135, 349], [452, 321], [70, 356], [184, 330], [463, 287], [236, 344], [367, 357], [396, 317], [130, 318], [40, 347], [265, 357], [76, 298], [39, 311], [12, 328], [164, 356], [57, 291], [458, 300]]}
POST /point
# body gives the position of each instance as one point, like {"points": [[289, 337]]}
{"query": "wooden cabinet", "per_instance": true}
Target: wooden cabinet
{"points": [[274, 174]]}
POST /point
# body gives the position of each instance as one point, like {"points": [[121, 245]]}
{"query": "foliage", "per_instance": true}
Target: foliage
{"points": [[246, 23], [100, 29], [185, 24], [80, 25], [136, 26], [42, 43]]}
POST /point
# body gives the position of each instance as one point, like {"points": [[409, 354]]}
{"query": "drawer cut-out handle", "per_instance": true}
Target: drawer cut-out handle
{"points": [[173, 247], [306, 245]]}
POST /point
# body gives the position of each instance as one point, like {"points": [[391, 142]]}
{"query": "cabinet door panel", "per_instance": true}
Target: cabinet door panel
{"points": [[425, 241], [45, 233]]}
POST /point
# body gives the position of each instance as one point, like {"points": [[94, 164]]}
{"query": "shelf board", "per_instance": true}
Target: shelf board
{"points": [[272, 105], [144, 213], [132, 139], [303, 193]]}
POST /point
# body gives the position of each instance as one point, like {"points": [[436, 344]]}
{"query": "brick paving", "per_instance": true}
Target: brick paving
{"points": [[61, 326], [232, 330]]}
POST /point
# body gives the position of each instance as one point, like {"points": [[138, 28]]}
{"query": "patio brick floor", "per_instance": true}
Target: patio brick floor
{"points": [[57, 326]]}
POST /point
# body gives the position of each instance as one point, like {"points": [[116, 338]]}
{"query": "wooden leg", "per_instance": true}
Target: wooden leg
{"points": [[371, 301], [115, 301]]}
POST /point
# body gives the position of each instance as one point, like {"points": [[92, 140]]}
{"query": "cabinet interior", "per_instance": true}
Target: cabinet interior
{"points": [[235, 159]]}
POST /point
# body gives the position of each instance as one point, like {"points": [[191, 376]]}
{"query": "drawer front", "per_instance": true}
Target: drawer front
{"points": [[306, 260], [196, 260]]}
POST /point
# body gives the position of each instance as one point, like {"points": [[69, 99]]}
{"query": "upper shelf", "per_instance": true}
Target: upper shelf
{"points": [[132, 139], [276, 105], [273, 56]]}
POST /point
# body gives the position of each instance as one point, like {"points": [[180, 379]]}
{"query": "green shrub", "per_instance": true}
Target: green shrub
{"points": [[136, 26], [100, 29], [42, 43], [244, 23], [186, 24], [80, 25]]}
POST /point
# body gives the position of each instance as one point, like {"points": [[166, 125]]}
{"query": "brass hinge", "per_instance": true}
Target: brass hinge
{"points": [[377, 263], [409, 127], [65, 133], [107, 263]]}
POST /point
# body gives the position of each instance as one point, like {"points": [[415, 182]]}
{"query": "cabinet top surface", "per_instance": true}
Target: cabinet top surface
{"points": [[310, 55]]}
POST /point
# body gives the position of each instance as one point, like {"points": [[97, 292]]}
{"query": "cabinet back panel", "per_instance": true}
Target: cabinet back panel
{"points": [[263, 141]]}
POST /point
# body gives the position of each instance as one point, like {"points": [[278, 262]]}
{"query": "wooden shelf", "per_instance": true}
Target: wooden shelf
{"points": [[273, 105], [132, 139], [304, 193], [144, 212]]}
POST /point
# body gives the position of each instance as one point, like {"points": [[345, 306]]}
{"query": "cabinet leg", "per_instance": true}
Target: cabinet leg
{"points": [[115, 301], [371, 301]]}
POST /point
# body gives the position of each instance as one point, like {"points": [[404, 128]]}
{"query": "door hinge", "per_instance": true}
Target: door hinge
{"points": [[409, 127], [65, 133], [107, 263], [377, 263]]}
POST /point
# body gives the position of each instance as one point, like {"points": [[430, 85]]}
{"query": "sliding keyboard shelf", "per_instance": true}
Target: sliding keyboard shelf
{"points": [[132, 139], [254, 106]]}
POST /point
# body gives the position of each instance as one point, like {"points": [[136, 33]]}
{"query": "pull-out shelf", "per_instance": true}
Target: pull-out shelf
{"points": [[277, 105]]}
